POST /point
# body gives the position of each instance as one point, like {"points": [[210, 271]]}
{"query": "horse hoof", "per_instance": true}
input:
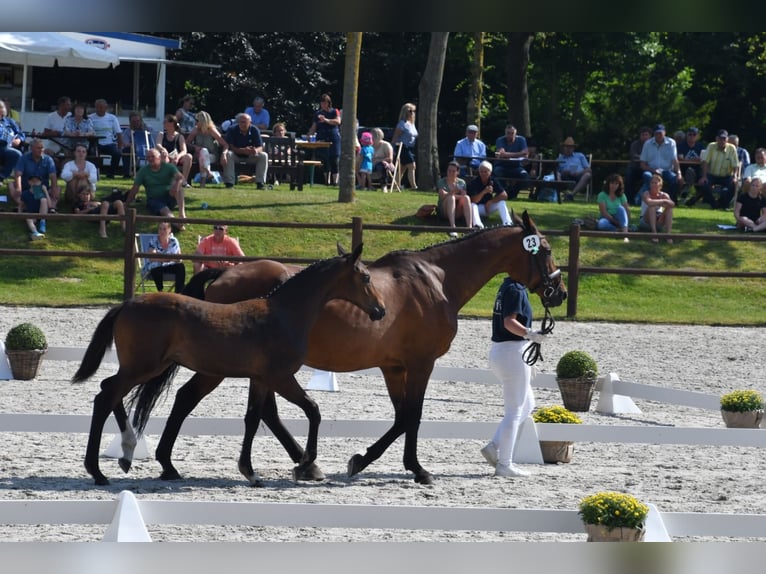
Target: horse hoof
{"points": [[255, 481], [171, 474], [355, 464], [311, 473], [424, 477], [102, 481], [124, 464]]}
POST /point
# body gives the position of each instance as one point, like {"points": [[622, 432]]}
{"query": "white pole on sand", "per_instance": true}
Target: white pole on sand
{"points": [[323, 381]]}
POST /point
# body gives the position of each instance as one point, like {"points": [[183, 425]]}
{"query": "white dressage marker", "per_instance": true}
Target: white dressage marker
{"points": [[323, 381], [128, 523]]}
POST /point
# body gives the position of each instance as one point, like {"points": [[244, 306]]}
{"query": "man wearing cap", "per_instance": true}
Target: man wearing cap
{"points": [[659, 155], [470, 150], [719, 168], [572, 166]]}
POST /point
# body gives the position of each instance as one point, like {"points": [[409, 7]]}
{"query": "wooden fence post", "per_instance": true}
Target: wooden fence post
{"points": [[129, 248], [356, 232], [573, 270]]}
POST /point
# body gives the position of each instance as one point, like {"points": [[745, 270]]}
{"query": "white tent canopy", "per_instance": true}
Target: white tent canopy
{"points": [[46, 49]]}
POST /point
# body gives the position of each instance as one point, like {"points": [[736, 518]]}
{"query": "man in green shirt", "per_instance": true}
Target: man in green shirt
{"points": [[163, 184]]}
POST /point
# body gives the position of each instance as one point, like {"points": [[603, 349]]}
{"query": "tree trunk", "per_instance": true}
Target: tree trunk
{"points": [[473, 110], [347, 168], [518, 95], [428, 90]]}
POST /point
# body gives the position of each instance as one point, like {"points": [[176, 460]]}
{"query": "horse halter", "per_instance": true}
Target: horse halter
{"points": [[539, 256]]}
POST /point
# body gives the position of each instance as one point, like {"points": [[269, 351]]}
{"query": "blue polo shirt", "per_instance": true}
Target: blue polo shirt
{"points": [[28, 167], [234, 137]]}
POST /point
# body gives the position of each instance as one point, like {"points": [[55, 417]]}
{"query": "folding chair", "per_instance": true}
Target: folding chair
{"points": [[142, 246], [138, 154], [396, 177]]}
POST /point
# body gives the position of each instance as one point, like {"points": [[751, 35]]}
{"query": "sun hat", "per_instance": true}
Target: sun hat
{"points": [[472, 128], [366, 138]]}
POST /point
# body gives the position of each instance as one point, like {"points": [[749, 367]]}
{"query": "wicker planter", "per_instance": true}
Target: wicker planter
{"points": [[576, 393], [557, 450], [743, 419], [25, 364], [598, 533]]}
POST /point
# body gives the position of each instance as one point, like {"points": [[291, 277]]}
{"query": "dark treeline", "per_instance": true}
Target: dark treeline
{"points": [[598, 88]]}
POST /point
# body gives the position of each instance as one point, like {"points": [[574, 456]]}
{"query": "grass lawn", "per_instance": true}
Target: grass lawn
{"points": [[71, 281]]}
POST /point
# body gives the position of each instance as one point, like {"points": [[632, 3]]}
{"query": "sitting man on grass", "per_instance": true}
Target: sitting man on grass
{"points": [[164, 187]]}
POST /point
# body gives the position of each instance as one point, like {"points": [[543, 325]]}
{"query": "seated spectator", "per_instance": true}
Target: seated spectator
{"points": [[245, 142], [87, 204], [35, 163], [76, 125], [513, 150], [78, 172], [757, 169], [166, 243], [453, 199], [690, 151], [487, 196], [382, 159], [185, 117], [11, 138], [719, 168], [744, 161], [470, 150], [660, 156], [364, 162], [54, 128], [633, 173], [258, 114], [211, 148], [613, 206], [36, 200], [217, 243], [572, 166], [750, 208], [164, 187], [175, 143], [109, 132], [279, 130], [656, 209], [141, 137]]}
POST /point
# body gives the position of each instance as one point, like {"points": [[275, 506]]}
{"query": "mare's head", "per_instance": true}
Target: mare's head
{"points": [[544, 277], [359, 288]]}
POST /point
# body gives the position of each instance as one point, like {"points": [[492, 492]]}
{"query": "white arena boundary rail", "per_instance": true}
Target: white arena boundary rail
{"points": [[127, 517]]}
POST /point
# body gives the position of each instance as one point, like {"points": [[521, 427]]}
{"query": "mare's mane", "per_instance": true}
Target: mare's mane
{"points": [[316, 265]]}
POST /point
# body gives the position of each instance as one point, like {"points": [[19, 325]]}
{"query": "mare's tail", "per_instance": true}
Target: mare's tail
{"points": [[144, 397], [101, 341], [197, 284]]}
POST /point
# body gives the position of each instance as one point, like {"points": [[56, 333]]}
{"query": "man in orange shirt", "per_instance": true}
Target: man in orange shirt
{"points": [[217, 243]]}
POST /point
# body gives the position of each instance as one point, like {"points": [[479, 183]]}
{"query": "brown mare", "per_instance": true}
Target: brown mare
{"points": [[263, 339], [424, 291]]}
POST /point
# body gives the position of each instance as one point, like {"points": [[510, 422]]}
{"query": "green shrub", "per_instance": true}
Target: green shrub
{"points": [[613, 510], [24, 337], [575, 364], [742, 401], [555, 414]]}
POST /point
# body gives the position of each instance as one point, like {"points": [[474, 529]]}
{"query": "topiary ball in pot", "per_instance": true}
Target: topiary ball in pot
{"points": [[576, 374], [25, 345]]}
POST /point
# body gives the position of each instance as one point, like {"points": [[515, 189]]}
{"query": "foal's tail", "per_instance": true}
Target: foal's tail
{"points": [[101, 341], [197, 284], [144, 397]]}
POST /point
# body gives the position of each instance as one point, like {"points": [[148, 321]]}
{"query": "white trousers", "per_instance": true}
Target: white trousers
{"points": [[506, 361], [480, 209]]}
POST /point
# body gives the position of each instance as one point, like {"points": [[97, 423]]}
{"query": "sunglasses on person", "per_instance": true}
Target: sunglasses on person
{"points": [[219, 228]]}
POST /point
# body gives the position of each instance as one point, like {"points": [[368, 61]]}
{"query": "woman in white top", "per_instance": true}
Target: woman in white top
{"points": [[77, 171], [405, 135]]}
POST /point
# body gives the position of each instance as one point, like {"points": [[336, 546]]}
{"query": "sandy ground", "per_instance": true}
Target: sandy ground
{"points": [[714, 360]]}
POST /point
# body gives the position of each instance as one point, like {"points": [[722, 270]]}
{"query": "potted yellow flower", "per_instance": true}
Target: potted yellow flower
{"points": [[742, 409], [613, 517], [576, 374], [25, 345], [555, 451]]}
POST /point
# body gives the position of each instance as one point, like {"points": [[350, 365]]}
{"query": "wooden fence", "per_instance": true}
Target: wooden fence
{"points": [[574, 269]]}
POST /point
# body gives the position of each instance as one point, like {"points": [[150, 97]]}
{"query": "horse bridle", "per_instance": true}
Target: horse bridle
{"points": [[533, 353]]}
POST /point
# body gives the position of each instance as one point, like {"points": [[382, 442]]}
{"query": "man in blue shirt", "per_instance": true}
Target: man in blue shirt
{"points": [[258, 114], [659, 155], [245, 142], [39, 164], [470, 150], [572, 166], [512, 148], [11, 138]]}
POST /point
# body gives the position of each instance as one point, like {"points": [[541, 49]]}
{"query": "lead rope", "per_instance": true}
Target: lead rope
{"points": [[532, 353]]}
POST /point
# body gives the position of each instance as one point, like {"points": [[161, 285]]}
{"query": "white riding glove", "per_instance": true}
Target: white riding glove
{"points": [[535, 336]]}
